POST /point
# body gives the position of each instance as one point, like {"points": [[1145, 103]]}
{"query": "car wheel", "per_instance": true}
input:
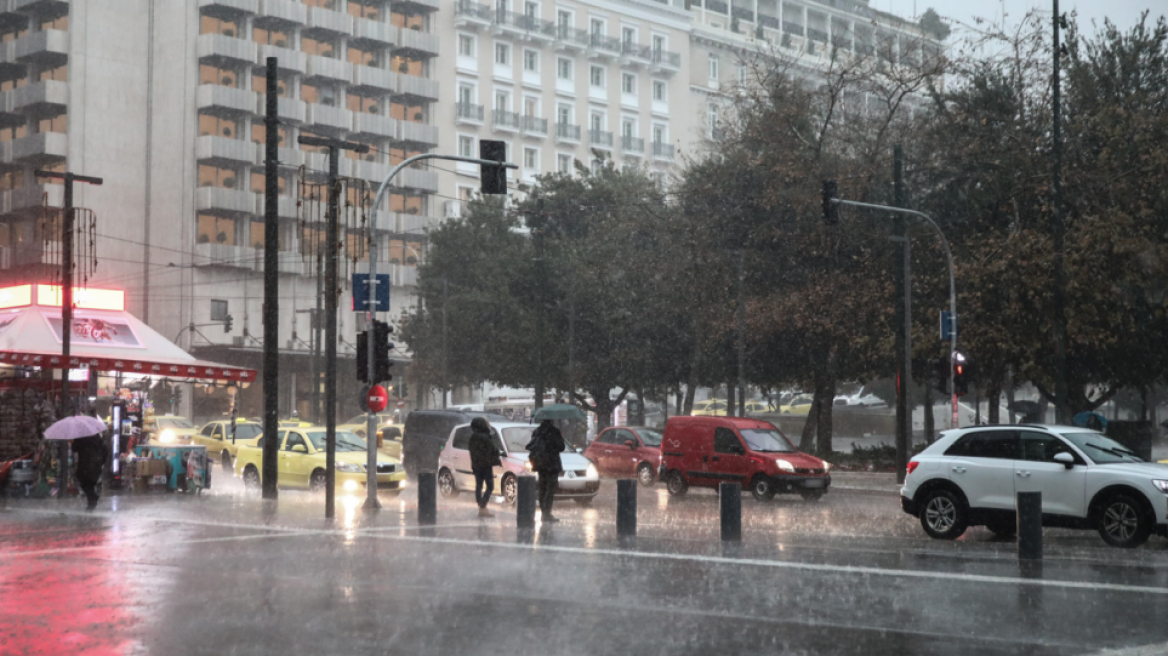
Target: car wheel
{"points": [[510, 489], [251, 478], [318, 481], [943, 515], [675, 483], [1003, 528], [446, 484], [645, 475], [1123, 523], [762, 487], [228, 466], [583, 501], [811, 495]]}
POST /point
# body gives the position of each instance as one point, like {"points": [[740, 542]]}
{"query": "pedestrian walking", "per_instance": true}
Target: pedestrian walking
{"points": [[544, 449], [484, 457], [91, 455]]}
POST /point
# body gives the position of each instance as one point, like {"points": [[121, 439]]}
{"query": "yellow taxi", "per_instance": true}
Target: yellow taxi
{"points": [[799, 405], [302, 462], [216, 436], [168, 430], [358, 425], [709, 408]]}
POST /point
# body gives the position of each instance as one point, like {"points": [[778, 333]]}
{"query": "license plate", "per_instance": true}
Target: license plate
{"points": [[814, 483]]}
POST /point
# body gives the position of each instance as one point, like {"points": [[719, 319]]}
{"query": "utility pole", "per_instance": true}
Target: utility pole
{"points": [[571, 332], [1058, 233], [741, 320], [269, 477], [66, 313], [445, 300], [316, 337], [540, 309], [335, 146], [902, 276]]}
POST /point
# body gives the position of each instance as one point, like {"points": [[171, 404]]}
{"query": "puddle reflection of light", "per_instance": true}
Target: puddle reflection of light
{"points": [[662, 499], [351, 503], [590, 517]]}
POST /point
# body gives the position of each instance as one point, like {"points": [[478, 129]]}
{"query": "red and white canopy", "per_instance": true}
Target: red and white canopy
{"points": [[101, 339]]}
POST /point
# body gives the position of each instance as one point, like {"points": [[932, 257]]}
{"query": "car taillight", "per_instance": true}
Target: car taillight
{"points": [[912, 465]]}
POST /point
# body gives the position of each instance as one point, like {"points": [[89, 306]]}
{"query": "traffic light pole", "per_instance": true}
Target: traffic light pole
{"points": [[371, 419], [952, 285]]}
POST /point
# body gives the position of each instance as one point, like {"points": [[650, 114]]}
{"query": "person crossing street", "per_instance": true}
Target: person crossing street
{"points": [[544, 449], [484, 457]]}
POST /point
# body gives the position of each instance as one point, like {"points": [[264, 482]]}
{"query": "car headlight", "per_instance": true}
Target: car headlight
{"points": [[166, 437], [1161, 485], [349, 468], [784, 465], [592, 471], [527, 466], [826, 466]]}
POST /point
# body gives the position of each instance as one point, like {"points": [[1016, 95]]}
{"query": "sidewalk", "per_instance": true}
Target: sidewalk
{"points": [[866, 481]]}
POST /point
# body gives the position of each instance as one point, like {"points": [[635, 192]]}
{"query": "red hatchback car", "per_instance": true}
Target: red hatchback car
{"points": [[625, 451], [707, 451]]}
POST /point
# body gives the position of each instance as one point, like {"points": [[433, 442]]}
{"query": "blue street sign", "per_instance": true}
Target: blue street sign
{"points": [[361, 293], [948, 326]]}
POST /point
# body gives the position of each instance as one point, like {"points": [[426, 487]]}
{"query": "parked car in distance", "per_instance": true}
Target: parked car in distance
{"points": [[427, 431], [358, 425], [707, 451], [579, 480], [970, 476], [303, 461], [169, 430], [627, 451], [709, 408], [798, 405], [216, 436], [389, 441]]}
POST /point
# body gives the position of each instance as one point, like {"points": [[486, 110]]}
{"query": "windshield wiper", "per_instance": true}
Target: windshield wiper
{"points": [[1118, 452]]}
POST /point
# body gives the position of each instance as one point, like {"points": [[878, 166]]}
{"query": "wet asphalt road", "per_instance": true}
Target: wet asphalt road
{"points": [[230, 574]]}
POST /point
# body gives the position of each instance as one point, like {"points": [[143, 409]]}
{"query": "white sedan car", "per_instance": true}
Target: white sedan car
{"points": [[579, 480]]}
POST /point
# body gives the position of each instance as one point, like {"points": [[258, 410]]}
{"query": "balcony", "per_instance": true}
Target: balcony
{"points": [[662, 150], [818, 36], [605, 46], [417, 44], [631, 145], [227, 201], [331, 117], [417, 88], [424, 181], [217, 48], [37, 149], [243, 6], [224, 100], [416, 6], [768, 21], [403, 275], [535, 126], [634, 54], [505, 120], [421, 134], [717, 6], [468, 113], [665, 62], [363, 169], [377, 79], [374, 124], [571, 38], [328, 68], [600, 138], [288, 60], [522, 25], [32, 197], [472, 14], [222, 149], [326, 21], [567, 133], [289, 109], [49, 48], [742, 13], [226, 255], [383, 34], [289, 157], [281, 11], [47, 98]]}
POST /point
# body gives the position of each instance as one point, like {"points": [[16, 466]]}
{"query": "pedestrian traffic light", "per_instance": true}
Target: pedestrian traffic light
{"points": [[227, 323], [830, 208], [493, 177], [941, 374], [961, 375]]}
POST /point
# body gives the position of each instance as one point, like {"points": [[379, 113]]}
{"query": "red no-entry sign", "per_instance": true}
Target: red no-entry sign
{"points": [[377, 398]]}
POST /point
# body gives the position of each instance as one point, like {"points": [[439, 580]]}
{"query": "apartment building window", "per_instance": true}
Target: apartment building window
{"points": [[357, 102], [321, 94], [596, 26], [658, 42], [466, 146], [407, 112], [216, 230], [564, 68], [363, 57], [628, 35], [58, 23], [564, 163], [218, 127], [628, 128], [406, 65], [531, 106], [218, 176], [13, 31], [596, 121], [466, 45], [207, 25], [563, 19], [215, 75], [259, 84], [531, 60], [659, 134], [369, 10], [597, 76], [320, 47], [60, 74], [408, 21], [15, 132], [658, 90], [502, 53], [531, 158], [57, 123], [259, 182], [259, 134], [12, 180], [564, 114], [712, 117], [9, 85], [502, 101], [271, 36], [628, 83], [713, 67], [466, 94], [530, 9], [742, 74]]}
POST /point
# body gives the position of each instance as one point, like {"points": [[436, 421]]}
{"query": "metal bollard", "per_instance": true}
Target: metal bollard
{"points": [[730, 495], [525, 502], [427, 498], [626, 507], [1029, 525]]}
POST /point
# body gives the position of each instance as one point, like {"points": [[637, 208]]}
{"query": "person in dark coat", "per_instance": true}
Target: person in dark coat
{"points": [[547, 443], [484, 457], [91, 455]]}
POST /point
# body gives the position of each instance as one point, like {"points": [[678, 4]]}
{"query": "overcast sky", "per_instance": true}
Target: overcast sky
{"points": [[1124, 13]]}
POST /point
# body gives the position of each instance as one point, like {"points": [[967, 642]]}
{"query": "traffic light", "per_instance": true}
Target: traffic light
{"points": [[381, 349], [227, 323], [830, 209], [493, 178], [363, 356], [961, 375], [941, 374]]}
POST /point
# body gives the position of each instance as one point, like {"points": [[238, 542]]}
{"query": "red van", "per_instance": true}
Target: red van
{"points": [[706, 451]]}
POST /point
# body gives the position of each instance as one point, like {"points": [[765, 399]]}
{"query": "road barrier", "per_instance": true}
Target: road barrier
{"points": [[427, 499], [1029, 525], [525, 502], [730, 495], [626, 507]]}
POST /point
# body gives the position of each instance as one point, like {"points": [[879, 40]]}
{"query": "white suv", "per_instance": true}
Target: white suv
{"points": [[969, 477]]}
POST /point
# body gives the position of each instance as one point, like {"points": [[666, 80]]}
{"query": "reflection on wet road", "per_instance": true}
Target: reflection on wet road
{"points": [[851, 574]]}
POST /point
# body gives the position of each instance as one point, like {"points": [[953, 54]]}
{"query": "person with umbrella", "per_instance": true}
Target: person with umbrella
{"points": [[90, 449], [547, 443]]}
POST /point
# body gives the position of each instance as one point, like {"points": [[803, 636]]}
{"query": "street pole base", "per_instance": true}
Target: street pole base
{"points": [[371, 503]]}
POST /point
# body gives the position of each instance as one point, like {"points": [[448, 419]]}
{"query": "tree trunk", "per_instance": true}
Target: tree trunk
{"points": [[638, 419], [827, 400], [807, 440], [994, 396], [731, 401], [604, 406], [1010, 402], [677, 399], [689, 399], [930, 419]]}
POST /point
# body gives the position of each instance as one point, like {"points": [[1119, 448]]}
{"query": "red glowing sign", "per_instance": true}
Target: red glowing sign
{"points": [[377, 398], [19, 296], [83, 299]]}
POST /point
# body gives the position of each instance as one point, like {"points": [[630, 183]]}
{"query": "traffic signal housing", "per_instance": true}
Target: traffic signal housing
{"points": [[227, 323], [493, 178], [381, 349], [941, 374], [961, 375]]}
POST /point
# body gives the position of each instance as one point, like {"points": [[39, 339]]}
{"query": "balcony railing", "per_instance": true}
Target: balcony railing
{"points": [[473, 10], [793, 28], [601, 42], [633, 49], [572, 35], [567, 131], [535, 125], [502, 118], [718, 6], [632, 144], [662, 149], [742, 13], [768, 21], [816, 35], [600, 138], [666, 58], [469, 111], [523, 22]]}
